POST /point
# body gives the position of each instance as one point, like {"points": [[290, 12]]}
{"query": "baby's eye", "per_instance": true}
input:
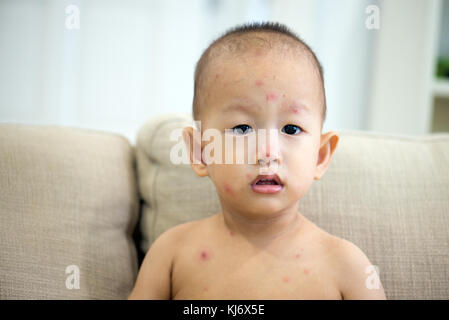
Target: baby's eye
{"points": [[291, 129], [241, 129]]}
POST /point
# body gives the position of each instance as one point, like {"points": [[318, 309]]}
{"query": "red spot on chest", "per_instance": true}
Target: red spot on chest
{"points": [[204, 255], [272, 96]]}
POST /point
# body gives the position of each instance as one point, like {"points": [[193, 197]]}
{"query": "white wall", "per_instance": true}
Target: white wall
{"points": [[401, 94], [131, 60]]}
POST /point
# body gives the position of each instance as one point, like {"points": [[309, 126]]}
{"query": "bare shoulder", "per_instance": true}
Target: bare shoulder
{"points": [[154, 278], [355, 275], [181, 233]]}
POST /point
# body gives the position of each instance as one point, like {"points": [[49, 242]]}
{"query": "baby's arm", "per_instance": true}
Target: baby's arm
{"points": [[153, 280], [357, 278]]}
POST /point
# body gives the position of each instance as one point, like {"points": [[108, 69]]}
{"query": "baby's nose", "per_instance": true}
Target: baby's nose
{"points": [[268, 146]]}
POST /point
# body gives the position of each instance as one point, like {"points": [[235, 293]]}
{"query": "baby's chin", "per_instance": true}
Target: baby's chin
{"points": [[257, 207]]}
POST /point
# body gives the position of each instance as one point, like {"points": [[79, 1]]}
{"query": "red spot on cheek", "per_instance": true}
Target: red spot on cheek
{"points": [[228, 188], [286, 279], [272, 96], [297, 256], [306, 271], [248, 175], [259, 83]]}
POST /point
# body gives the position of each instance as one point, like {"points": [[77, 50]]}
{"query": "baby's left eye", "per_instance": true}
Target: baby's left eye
{"points": [[291, 129]]}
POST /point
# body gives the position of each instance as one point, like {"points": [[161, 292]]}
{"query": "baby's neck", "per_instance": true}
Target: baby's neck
{"points": [[262, 231]]}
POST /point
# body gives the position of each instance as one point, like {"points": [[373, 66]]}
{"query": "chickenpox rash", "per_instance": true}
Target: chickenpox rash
{"points": [[204, 255], [272, 96], [228, 188]]}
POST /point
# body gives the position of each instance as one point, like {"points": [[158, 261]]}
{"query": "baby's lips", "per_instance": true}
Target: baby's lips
{"points": [[274, 177]]}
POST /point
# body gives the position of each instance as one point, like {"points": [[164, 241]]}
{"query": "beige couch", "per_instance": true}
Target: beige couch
{"points": [[89, 199]]}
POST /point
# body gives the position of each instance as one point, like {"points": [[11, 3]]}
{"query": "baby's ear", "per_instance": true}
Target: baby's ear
{"points": [[192, 140], [328, 145]]}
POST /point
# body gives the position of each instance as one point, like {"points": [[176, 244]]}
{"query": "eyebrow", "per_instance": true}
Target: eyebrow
{"points": [[251, 109]]}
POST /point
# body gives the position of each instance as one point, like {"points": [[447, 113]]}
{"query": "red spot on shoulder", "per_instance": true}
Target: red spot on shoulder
{"points": [[259, 83], [286, 279]]}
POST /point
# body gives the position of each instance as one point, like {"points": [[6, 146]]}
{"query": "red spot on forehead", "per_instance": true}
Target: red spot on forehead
{"points": [[272, 96], [259, 83], [295, 110]]}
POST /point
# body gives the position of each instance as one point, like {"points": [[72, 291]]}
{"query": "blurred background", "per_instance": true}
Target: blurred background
{"points": [[111, 65]]}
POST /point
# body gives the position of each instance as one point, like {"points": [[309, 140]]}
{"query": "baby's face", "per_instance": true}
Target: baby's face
{"points": [[264, 91]]}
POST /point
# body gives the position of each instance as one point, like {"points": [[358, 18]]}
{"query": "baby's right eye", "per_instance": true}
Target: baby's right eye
{"points": [[240, 129]]}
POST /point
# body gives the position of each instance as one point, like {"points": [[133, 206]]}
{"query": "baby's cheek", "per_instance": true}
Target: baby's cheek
{"points": [[228, 189]]}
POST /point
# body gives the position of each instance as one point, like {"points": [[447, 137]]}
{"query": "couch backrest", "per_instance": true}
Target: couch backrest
{"points": [[388, 194], [68, 207]]}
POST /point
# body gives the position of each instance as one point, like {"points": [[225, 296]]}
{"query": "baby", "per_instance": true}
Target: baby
{"points": [[258, 76]]}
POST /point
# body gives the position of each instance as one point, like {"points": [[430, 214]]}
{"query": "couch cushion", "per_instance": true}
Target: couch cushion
{"points": [[388, 194], [67, 197]]}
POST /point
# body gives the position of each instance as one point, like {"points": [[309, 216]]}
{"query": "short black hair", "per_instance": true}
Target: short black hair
{"points": [[235, 40]]}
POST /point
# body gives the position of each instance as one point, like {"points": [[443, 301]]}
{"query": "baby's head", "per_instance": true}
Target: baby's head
{"points": [[253, 77]]}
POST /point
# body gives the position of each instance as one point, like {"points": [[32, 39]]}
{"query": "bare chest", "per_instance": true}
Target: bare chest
{"points": [[214, 272]]}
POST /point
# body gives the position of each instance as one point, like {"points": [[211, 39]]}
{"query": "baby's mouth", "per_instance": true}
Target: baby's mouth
{"points": [[267, 184], [267, 180]]}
